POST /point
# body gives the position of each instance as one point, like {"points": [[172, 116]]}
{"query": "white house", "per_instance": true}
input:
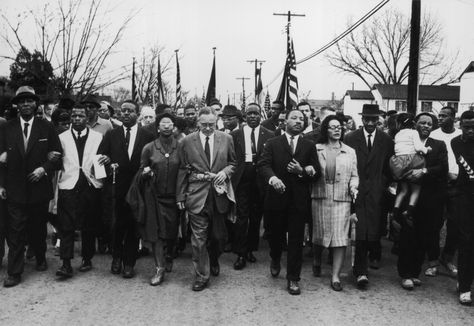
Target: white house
{"points": [[466, 96], [353, 102]]}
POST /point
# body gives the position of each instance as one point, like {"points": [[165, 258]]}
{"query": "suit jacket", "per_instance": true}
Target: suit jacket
{"points": [[435, 182], [70, 172], [270, 124], [113, 145], [274, 161], [314, 134], [20, 162], [374, 176], [193, 160], [346, 174], [239, 146]]}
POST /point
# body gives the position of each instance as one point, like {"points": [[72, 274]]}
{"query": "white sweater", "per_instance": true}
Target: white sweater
{"points": [[407, 142]]}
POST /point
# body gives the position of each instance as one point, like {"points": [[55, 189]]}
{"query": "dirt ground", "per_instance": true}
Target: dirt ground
{"points": [[247, 297]]}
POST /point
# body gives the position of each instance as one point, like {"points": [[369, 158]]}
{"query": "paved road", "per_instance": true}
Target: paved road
{"points": [[247, 297]]}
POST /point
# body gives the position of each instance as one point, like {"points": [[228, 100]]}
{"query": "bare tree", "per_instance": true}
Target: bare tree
{"points": [[76, 40], [379, 52], [147, 72], [120, 94]]}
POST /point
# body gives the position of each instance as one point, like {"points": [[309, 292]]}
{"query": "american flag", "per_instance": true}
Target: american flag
{"points": [[288, 92], [266, 106], [159, 85], [178, 83]]}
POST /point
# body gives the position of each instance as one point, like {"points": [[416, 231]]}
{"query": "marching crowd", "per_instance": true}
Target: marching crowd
{"points": [[155, 177]]}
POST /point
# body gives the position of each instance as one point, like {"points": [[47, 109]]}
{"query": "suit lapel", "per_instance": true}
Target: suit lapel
{"points": [[217, 142], [200, 149], [137, 141], [375, 146], [362, 144], [121, 140], [260, 141], [285, 144], [19, 136], [33, 136], [70, 141], [87, 147]]}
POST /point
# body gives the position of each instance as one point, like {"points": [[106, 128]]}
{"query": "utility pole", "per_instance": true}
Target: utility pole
{"points": [[256, 61], [414, 61]]}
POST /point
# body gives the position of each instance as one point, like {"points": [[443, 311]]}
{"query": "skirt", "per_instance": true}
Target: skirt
{"points": [[401, 165], [330, 220]]}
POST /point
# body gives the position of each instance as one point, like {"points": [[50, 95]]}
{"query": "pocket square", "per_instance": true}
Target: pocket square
{"points": [[43, 139]]}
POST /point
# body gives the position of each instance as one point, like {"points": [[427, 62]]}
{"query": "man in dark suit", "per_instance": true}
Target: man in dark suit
{"points": [[423, 237], [373, 149], [249, 188], [204, 189], [272, 123], [25, 181], [123, 146], [287, 201]]}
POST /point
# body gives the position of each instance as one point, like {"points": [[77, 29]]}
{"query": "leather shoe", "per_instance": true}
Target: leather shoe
{"points": [[239, 263], [11, 281], [362, 281], [336, 286], [316, 270], [64, 271], [159, 277], [275, 268], [250, 257], [128, 272], [374, 264], [41, 266], [199, 285], [116, 267], [215, 269], [293, 288], [85, 266]]}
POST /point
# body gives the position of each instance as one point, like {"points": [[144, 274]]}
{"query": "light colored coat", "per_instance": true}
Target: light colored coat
{"points": [[346, 174], [193, 159], [70, 172]]}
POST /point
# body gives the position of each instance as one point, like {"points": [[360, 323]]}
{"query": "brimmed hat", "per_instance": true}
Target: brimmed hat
{"points": [[92, 99], [370, 110], [231, 111], [66, 102], [25, 92]]}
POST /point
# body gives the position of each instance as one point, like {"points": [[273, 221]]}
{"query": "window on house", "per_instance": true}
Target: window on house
{"points": [[426, 106], [401, 106], [453, 105]]}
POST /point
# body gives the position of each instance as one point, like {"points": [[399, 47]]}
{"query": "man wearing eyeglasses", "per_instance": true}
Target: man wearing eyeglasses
{"points": [[25, 181]]}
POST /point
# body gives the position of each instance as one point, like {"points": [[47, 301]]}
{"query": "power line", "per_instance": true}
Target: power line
{"points": [[369, 14]]}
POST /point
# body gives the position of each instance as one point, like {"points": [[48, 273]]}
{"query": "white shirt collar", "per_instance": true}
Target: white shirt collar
{"points": [[367, 134]]}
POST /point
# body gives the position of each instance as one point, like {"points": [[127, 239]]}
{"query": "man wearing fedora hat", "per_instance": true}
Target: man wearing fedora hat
{"points": [[373, 149], [25, 181]]}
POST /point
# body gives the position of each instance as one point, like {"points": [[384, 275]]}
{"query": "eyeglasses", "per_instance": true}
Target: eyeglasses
{"points": [[338, 127]]}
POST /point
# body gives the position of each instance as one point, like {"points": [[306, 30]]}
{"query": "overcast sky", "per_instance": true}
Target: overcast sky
{"points": [[246, 29]]}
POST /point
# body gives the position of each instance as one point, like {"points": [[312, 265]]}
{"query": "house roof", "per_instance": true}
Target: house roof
{"points": [[360, 95], [469, 68], [321, 103], [426, 92]]}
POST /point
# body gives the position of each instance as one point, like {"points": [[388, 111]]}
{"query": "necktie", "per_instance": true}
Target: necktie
{"points": [[25, 130], [78, 134], [127, 137], [292, 144], [252, 140], [207, 151], [369, 142]]}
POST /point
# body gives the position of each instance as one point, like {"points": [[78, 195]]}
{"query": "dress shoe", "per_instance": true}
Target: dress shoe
{"points": [[250, 257], [215, 269], [416, 281], [41, 266], [374, 264], [11, 281], [465, 299], [128, 272], [116, 267], [64, 271], [239, 263], [168, 264], [294, 288], [336, 286], [316, 270], [85, 266], [407, 284], [199, 285], [362, 281], [275, 268], [450, 267], [159, 277]]}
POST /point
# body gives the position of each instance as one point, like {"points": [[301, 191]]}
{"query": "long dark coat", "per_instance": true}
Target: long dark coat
{"points": [[374, 176]]}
